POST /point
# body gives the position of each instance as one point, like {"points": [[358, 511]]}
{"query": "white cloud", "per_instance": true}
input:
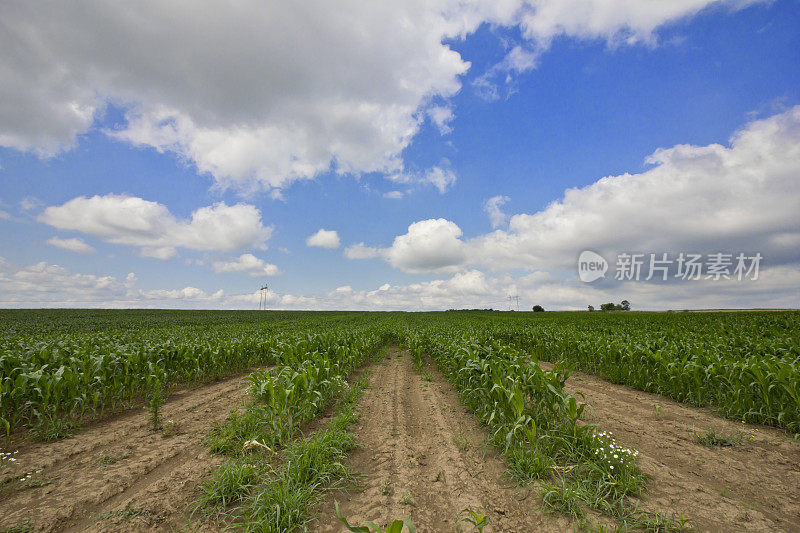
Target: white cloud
{"points": [[440, 177], [516, 61], [219, 86], [159, 252], [129, 220], [247, 264], [47, 285], [29, 203], [492, 207], [428, 246], [743, 197], [442, 116], [185, 294], [4, 215], [73, 245], [324, 239], [395, 195], [361, 251], [615, 21], [41, 283]]}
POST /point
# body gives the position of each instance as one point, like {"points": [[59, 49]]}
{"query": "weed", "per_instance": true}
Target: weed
{"points": [[526, 462], [49, 429], [407, 499], [563, 497], [231, 482], [282, 500], [107, 460], [169, 429], [712, 438], [427, 376], [386, 488], [21, 527], [156, 400], [461, 442]]}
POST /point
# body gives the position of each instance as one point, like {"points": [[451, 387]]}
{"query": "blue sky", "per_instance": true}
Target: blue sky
{"points": [[537, 101]]}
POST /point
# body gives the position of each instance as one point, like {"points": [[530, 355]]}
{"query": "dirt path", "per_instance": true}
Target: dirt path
{"points": [[118, 474], [754, 485], [422, 456]]}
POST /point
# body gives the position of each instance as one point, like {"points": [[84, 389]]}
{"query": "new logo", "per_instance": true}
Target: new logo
{"points": [[591, 266]]}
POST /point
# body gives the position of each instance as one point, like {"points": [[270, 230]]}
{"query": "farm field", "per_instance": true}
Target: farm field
{"points": [[140, 420]]}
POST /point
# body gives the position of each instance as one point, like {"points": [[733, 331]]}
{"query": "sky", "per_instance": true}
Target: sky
{"points": [[413, 155]]}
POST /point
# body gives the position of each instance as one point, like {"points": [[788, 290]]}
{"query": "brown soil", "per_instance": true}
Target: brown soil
{"points": [[407, 436], [118, 474], [754, 485]]}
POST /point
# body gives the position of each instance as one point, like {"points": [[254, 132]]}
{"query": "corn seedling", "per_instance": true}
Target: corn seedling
{"points": [[393, 526], [479, 520]]}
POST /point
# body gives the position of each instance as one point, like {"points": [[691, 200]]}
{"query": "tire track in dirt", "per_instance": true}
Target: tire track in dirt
{"points": [[117, 474], [407, 436], [753, 486]]}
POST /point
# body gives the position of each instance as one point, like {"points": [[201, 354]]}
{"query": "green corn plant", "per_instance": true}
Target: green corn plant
{"points": [[479, 520]]}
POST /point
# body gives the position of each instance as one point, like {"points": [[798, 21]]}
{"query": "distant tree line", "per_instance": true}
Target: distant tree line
{"points": [[624, 305]]}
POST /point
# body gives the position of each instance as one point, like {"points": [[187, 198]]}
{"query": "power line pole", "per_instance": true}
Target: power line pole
{"points": [[262, 297], [513, 298]]}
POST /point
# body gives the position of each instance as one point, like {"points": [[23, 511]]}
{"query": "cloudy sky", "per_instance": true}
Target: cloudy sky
{"points": [[399, 155]]}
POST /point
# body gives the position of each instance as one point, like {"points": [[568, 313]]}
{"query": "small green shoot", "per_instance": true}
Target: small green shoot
{"points": [[480, 521], [395, 526]]}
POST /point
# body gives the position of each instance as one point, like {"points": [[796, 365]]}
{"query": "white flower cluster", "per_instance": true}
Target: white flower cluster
{"points": [[27, 475], [613, 455], [7, 457]]}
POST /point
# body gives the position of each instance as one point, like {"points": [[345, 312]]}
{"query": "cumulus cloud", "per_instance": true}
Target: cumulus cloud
{"points": [[129, 220], [73, 245], [324, 239], [429, 246], [246, 264], [492, 207], [220, 88], [48, 285], [741, 197], [615, 21], [40, 283]]}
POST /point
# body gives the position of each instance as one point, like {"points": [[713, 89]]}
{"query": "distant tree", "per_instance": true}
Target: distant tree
{"points": [[625, 305], [538, 309], [607, 307], [591, 308]]}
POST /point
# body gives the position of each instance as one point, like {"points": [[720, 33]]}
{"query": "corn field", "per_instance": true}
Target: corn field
{"points": [[58, 366]]}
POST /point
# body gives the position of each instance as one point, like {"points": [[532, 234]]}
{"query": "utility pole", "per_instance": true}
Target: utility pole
{"points": [[513, 298], [262, 297]]}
